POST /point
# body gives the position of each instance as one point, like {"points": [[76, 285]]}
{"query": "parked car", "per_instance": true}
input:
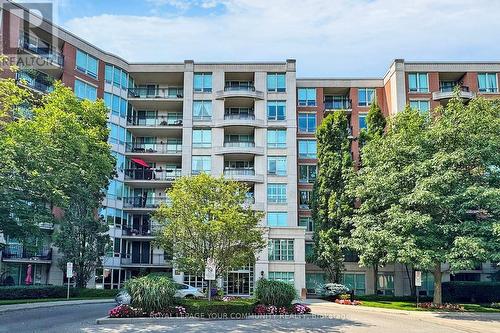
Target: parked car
{"points": [[183, 291]]}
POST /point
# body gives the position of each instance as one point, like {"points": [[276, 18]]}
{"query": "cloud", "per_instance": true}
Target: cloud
{"points": [[327, 37]]}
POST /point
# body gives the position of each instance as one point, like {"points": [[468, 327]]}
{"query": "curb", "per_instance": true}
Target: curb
{"points": [[29, 306]]}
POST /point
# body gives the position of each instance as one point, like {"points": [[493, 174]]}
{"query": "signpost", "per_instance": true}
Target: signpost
{"points": [[210, 275], [418, 282], [69, 274]]}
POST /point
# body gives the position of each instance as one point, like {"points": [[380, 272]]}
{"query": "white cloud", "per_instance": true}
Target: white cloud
{"points": [[327, 37]]}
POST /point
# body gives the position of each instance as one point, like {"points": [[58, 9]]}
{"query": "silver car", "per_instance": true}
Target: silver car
{"points": [[183, 291]]}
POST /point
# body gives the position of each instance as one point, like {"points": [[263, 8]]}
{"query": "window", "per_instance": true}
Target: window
{"points": [[239, 140], [421, 106], [307, 173], [307, 149], [276, 82], [87, 64], [282, 276], [304, 199], [115, 190], [85, 91], [120, 160], [202, 138], [307, 122], [362, 121], [306, 221], [277, 219], [355, 282], [366, 96], [276, 138], [202, 110], [276, 110], [276, 193], [418, 82], [117, 134], [201, 164], [116, 76], [487, 82], [427, 288], [307, 96], [203, 82], [276, 165], [116, 104], [280, 249], [314, 281], [385, 284]]}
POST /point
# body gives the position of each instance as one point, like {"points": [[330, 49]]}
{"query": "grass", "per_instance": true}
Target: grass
{"points": [[410, 306], [40, 300]]}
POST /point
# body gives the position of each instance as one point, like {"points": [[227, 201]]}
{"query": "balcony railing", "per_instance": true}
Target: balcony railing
{"points": [[240, 88], [338, 105], [36, 81], [151, 259], [240, 116], [452, 88], [47, 53], [16, 251], [239, 172], [141, 230], [153, 148], [168, 93], [154, 121], [250, 200], [239, 144], [153, 174], [143, 202]]}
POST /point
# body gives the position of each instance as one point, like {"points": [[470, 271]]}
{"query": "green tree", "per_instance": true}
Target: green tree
{"points": [[208, 218], [434, 181], [375, 122], [331, 203]]}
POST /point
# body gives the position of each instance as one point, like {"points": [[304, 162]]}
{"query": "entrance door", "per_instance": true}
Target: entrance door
{"points": [[238, 283]]}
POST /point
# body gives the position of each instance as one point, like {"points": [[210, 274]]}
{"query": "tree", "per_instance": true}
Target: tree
{"points": [[208, 218], [331, 204], [435, 181], [375, 122]]}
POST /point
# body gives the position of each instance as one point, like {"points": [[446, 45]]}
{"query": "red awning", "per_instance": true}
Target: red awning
{"points": [[140, 162]]}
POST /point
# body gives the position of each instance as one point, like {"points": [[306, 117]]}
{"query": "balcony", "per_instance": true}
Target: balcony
{"points": [[239, 147], [243, 174], [152, 175], [160, 121], [33, 45], [155, 93], [141, 231], [144, 203], [239, 119], [245, 91], [149, 260], [35, 80], [447, 93], [16, 252], [336, 105], [135, 148]]}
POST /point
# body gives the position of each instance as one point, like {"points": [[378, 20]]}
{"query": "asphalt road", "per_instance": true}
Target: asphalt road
{"points": [[337, 318]]}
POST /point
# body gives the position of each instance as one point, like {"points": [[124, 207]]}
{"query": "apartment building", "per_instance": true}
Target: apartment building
{"points": [[252, 122]]}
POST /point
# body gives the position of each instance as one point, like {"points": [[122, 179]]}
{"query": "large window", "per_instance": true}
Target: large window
{"points": [[281, 249], [306, 221], [117, 134], [277, 219], [356, 282], [116, 104], [487, 82], [307, 173], [418, 82], [115, 190], [276, 82], [202, 138], [201, 164], [276, 165], [202, 110], [385, 284], [307, 149], [362, 121], [116, 76], [307, 122], [420, 105], [120, 160], [314, 281], [366, 96], [276, 110], [87, 64], [203, 82], [304, 199], [307, 96], [276, 193], [276, 138], [282, 276], [85, 91]]}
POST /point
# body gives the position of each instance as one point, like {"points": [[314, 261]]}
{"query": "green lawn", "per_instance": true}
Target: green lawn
{"points": [[39, 300], [410, 306]]}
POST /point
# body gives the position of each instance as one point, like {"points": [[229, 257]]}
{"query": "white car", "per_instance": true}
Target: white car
{"points": [[183, 291]]}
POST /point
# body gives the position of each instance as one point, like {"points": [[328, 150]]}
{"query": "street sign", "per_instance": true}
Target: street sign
{"points": [[210, 269], [418, 278], [69, 270]]}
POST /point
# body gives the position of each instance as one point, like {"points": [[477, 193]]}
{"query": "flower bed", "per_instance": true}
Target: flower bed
{"points": [[444, 306], [348, 302], [298, 309]]}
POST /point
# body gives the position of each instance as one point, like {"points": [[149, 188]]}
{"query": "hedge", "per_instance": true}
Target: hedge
{"points": [[204, 308], [471, 292], [277, 293], [36, 292]]}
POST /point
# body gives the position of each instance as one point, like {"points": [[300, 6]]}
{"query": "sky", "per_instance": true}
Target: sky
{"points": [[328, 38]]}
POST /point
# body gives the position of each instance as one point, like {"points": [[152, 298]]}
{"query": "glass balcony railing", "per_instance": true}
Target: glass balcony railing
{"points": [[142, 259], [17, 251], [450, 88], [144, 202], [239, 144], [239, 172], [47, 52], [154, 148], [338, 104], [239, 116], [249, 87], [154, 121], [140, 230], [153, 174], [35, 80], [153, 92]]}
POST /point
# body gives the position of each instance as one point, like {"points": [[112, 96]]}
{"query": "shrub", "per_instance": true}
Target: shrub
{"points": [[277, 293], [331, 290], [26, 292], [471, 292], [300, 309], [151, 293], [124, 311], [204, 308]]}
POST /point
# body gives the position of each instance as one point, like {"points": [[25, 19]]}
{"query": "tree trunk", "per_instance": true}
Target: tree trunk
{"points": [[375, 279], [411, 277], [438, 295]]}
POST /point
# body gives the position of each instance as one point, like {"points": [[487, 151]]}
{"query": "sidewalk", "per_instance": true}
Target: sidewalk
{"points": [[29, 306]]}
